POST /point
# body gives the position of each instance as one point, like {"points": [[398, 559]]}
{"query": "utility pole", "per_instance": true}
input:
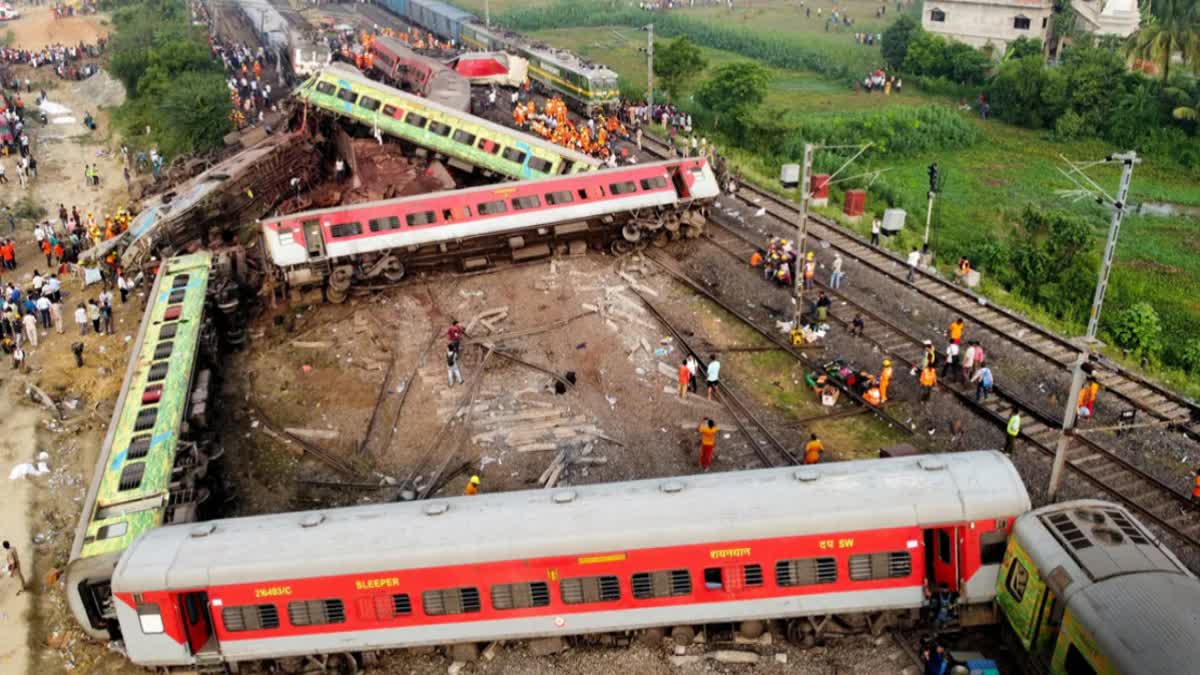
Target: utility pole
{"points": [[650, 65], [1127, 160], [802, 230], [487, 13]]}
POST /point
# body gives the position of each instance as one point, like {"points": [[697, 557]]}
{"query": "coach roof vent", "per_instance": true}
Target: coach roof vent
{"points": [[564, 497], [671, 486], [931, 464], [436, 508], [202, 530], [312, 520]]}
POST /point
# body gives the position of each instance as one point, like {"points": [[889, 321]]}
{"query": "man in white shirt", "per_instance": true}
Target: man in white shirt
{"points": [[713, 375], [914, 258]]}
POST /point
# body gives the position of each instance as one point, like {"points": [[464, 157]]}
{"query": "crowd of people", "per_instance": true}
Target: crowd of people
{"points": [[63, 58], [594, 136], [249, 95], [879, 80]]}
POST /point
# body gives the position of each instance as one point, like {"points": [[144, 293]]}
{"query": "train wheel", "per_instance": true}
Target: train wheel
{"points": [[394, 270], [621, 247], [342, 664], [631, 232], [336, 296]]}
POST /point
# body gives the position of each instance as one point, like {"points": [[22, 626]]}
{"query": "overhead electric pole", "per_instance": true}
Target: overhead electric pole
{"points": [[1127, 160], [650, 65], [802, 230]]}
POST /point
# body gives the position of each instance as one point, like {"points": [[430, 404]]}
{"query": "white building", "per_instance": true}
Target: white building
{"points": [[979, 22]]}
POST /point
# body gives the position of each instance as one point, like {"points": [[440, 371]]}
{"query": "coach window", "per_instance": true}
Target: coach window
{"points": [[451, 601], [316, 612], [249, 617], [326, 88], [390, 110], [1076, 663], [1017, 581], [513, 155], [806, 572], [383, 224], [583, 195], [345, 230], [622, 188], [415, 120], [540, 165], [347, 95], [384, 607], [991, 547], [556, 198], [420, 218], [654, 183], [868, 566], [579, 590], [943, 546], [463, 137], [150, 618], [368, 103], [488, 146], [527, 202], [521, 596], [661, 584], [439, 128], [491, 208]]}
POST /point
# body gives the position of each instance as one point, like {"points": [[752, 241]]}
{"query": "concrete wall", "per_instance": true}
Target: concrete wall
{"points": [[977, 22]]}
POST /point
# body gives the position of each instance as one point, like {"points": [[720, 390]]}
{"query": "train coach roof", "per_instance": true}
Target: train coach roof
{"points": [[727, 507], [352, 75]]}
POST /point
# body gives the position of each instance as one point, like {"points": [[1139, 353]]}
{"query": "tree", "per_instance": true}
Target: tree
{"points": [[894, 46], [677, 64], [1023, 47], [1137, 329], [1173, 28], [1016, 91], [734, 89], [195, 112]]}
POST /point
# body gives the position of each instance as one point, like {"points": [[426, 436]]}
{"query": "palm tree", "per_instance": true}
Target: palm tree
{"points": [[1172, 28]]}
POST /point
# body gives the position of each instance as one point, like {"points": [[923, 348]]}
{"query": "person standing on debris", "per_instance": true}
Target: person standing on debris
{"points": [[453, 371], [93, 315], [685, 376], [708, 442], [56, 316], [984, 387], [914, 259], [454, 335], [81, 318], [106, 309], [43, 308], [928, 382], [813, 449], [31, 329], [885, 378], [123, 285], [472, 487], [13, 562], [1013, 430], [713, 375]]}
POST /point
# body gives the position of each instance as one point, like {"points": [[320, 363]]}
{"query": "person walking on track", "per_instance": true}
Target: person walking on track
{"points": [[1013, 430], [708, 442]]}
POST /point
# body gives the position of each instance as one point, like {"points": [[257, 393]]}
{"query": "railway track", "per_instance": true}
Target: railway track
{"points": [[1095, 461], [1148, 397]]}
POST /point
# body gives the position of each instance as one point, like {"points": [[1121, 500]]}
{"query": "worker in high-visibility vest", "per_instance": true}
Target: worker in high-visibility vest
{"points": [[928, 382], [810, 271], [1013, 430], [885, 378], [472, 486]]}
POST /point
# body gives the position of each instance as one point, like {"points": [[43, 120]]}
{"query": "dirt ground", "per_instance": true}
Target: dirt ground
{"points": [[37, 28]]}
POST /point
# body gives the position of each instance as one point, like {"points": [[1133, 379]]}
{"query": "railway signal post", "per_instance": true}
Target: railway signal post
{"points": [[650, 65], [1127, 160], [933, 189]]}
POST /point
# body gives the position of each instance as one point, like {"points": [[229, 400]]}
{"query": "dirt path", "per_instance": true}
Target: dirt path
{"points": [[17, 444], [36, 28]]}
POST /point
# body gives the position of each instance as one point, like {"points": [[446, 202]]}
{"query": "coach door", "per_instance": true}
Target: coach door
{"points": [[197, 622], [680, 183], [314, 242], [941, 546]]}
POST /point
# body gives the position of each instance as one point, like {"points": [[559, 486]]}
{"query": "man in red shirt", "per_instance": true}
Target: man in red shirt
{"points": [[454, 334]]}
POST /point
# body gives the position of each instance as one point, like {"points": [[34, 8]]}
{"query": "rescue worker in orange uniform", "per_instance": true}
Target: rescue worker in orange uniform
{"points": [[955, 331], [756, 259], [928, 382], [872, 396], [813, 450], [885, 378], [472, 487]]}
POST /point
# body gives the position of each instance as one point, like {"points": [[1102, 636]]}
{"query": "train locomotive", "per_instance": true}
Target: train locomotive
{"points": [[585, 86], [1086, 589], [851, 539], [478, 226]]}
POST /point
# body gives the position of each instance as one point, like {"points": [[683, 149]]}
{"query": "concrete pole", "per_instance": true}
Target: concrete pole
{"points": [[650, 65], [928, 220], [487, 13], [802, 230], [1077, 376]]}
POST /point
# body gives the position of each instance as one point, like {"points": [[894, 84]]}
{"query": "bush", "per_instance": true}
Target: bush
{"points": [[894, 45], [1070, 125], [1137, 329], [934, 56], [895, 131], [1189, 356]]}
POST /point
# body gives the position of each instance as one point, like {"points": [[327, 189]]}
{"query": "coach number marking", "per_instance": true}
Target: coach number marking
{"points": [[830, 544], [272, 591], [720, 553]]}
